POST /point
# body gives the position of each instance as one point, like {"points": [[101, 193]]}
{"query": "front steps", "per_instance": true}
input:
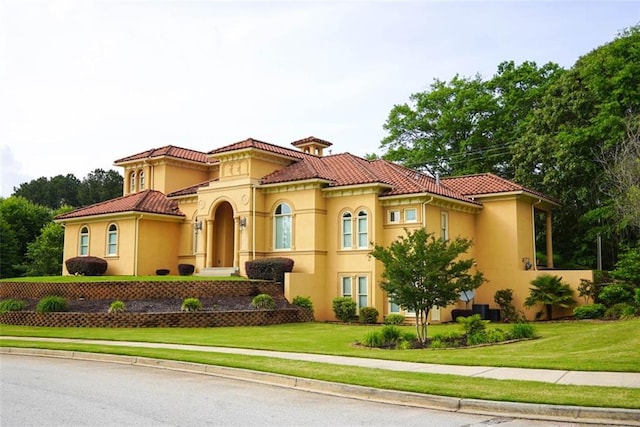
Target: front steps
{"points": [[218, 271]]}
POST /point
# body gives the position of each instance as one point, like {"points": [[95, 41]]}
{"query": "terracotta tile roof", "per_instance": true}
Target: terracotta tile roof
{"points": [[259, 145], [487, 183], [167, 151], [193, 189], [147, 201], [311, 139], [346, 169]]}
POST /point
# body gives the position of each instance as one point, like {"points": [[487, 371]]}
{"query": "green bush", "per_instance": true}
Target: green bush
{"points": [[391, 334], [504, 299], [621, 310], [117, 307], [304, 302], [368, 315], [473, 325], [344, 309], [394, 319], [263, 302], [636, 298], [477, 338], [51, 304], [589, 311], [8, 305], [611, 295], [495, 335], [373, 339], [446, 340], [521, 330], [191, 304]]}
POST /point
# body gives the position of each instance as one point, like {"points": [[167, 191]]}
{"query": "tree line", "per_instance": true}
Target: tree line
{"points": [[31, 243], [570, 133]]}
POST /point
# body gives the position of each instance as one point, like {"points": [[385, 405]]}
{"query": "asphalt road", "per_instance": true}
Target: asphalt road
{"points": [[38, 391]]}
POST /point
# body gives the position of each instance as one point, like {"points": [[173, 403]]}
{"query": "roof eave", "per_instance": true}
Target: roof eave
{"points": [[515, 193], [124, 214], [431, 196]]}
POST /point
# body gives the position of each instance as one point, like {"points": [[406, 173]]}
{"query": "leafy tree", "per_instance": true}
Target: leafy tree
{"points": [[551, 292], [44, 255], [25, 220], [9, 257], [53, 193], [628, 267], [421, 272], [99, 186]]}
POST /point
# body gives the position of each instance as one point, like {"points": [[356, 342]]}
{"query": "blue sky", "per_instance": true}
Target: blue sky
{"points": [[83, 83]]}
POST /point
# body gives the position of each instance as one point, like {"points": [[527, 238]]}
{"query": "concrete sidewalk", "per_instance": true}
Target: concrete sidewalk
{"points": [[554, 413], [608, 379]]}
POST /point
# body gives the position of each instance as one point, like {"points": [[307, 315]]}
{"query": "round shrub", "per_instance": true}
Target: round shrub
{"points": [[51, 304], [344, 309], [86, 266], [191, 304], [611, 295], [117, 307], [394, 319], [186, 269], [620, 311], [304, 302], [269, 268], [8, 305], [589, 311], [263, 302], [368, 315]]}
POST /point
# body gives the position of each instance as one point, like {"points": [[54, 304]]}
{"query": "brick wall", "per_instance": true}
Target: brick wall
{"points": [[140, 290], [149, 290]]}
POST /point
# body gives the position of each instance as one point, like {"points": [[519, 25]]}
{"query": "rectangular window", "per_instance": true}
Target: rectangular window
{"points": [[363, 232], [410, 215], [444, 225], [394, 308], [84, 244], [347, 232], [346, 287], [362, 291], [283, 232], [112, 247], [394, 217]]}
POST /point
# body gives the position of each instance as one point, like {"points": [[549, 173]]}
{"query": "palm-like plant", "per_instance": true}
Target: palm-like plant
{"points": [[551, 292]]}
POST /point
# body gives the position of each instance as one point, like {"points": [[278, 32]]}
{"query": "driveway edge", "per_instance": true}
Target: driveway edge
{"points": [[576, 414]]}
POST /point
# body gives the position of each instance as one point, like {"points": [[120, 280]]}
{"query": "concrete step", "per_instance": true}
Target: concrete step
{"points": [[218, 271]]}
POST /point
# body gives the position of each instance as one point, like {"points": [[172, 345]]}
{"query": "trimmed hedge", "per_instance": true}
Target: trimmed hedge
{"points": [[368, 315], [86, 266], [186, 269], [269, 268]]}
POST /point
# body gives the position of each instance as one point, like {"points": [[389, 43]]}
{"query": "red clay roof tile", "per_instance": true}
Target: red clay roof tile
{"points": [[487, 183], [147, 201], [260, 145], [167, 151]]}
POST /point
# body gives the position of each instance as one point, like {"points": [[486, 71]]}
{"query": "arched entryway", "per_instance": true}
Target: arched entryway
{"points": [[223, 230]]}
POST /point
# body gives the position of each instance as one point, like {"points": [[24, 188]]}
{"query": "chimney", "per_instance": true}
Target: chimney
{"points": [[438, 178]]}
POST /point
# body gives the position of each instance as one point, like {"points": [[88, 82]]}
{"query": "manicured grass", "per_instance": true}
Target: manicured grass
{"points": [[74, 279], [582, 345], [443, 385]]}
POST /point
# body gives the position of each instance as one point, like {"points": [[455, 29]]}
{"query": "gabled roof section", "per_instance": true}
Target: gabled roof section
{"points": [[488, 183], [147, 201], [259, 145], [167, 151], [311, 140], [193, 189]]}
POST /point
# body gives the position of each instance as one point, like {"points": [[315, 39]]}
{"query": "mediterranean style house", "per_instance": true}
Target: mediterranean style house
{"points": [[253, 199]]}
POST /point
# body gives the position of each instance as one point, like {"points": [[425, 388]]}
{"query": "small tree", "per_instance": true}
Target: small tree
{"points": [[421, 272], [551, 292]]}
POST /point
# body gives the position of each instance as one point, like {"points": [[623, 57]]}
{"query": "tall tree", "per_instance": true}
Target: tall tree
{"points": [[53, 193], [44, 255], [421, 272], [99, 186], [25, 220]]}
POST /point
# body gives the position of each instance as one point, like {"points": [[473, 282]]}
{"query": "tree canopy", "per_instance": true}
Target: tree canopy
{"points": [[421, 272]]}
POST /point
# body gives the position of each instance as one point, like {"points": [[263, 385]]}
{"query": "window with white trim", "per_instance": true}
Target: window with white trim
{"points": [[363, 286], [444, 225], [393, 217], [363, 230], [357, 288], [83, 241], [112, 240], [411, 215], [346, 287], [132, 182], [141, 181], [347, 231], [282, 226]]}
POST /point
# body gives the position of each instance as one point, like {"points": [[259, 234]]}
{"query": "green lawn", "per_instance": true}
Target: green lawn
{"points": [[612, 346]]}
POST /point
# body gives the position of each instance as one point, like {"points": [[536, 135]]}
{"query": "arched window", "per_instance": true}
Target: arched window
{"points": [[282, 226], [112, 240], [363, 230], [83, 248], [347, 231], [132, 183], [141, 180]]}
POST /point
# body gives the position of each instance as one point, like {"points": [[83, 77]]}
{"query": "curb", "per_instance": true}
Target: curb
{"points": [[576, 414]]}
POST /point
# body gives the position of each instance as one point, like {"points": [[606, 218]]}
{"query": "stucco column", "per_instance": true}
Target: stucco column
{"points": [[236, 241], [208, 244], [549, 240]]}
